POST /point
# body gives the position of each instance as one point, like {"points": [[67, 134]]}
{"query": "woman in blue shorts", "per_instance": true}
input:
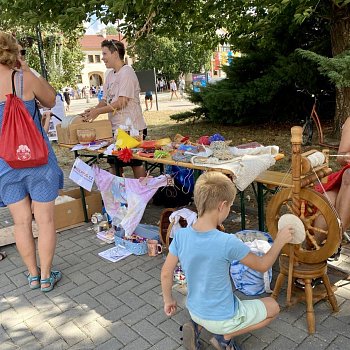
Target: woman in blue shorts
{"points": [[28, 190]]}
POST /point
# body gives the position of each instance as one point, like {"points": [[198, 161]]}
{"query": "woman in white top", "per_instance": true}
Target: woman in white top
{"points": [[173, 89]]}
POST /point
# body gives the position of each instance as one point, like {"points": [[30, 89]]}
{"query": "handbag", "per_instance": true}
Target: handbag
{"points": [[21, 144]]}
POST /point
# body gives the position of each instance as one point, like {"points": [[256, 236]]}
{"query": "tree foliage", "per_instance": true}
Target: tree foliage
{"points": [[62, 53], [265, 26], [169, 56]]}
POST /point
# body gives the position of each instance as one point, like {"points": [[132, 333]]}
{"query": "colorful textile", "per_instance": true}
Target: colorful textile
{"points": [[116, 191]]}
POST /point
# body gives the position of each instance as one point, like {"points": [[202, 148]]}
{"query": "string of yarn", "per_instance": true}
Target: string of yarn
{"points": [[316, 159]]}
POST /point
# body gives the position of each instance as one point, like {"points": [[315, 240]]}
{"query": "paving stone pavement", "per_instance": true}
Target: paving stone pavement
{"points": [[110, 306], [103, 305]]}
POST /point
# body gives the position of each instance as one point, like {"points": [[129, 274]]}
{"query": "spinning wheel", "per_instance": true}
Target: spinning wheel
{"points": [[307, 260], [320, 244]]}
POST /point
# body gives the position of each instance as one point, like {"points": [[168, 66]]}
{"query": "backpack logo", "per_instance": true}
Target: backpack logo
{"points": [[23, 153]]}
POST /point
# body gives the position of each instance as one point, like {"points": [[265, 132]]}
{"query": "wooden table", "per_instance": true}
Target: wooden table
{"points": [[267, 181]]}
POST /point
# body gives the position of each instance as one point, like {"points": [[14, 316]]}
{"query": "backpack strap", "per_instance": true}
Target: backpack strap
{"points": [[13, 83], [19, 82]]}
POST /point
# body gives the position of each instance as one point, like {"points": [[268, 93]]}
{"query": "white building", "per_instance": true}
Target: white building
{"points": [[93, 72]]}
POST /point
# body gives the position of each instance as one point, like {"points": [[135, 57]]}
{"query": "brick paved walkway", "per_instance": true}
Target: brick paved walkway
{"points": [[102, 305]]}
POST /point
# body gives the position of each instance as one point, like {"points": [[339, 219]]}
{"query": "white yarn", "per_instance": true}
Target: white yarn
{"points": [[316, 159]]}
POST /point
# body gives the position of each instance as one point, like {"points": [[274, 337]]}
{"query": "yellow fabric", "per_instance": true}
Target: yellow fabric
{"points": [[124, 140], [163, 142]]}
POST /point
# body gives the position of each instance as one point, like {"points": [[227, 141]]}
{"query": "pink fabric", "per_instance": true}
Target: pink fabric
{"points": [[139, 192], [104, 180]]}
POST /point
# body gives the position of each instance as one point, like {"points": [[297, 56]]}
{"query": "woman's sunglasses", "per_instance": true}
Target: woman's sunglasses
{"points": [[23, 52]]}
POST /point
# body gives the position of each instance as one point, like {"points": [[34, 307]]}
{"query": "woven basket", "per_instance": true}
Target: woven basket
{"points": [[165, 225]]}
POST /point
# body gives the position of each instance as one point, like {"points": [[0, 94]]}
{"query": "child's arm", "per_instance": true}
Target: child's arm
{"points": [[167, 284], [263, 263]]}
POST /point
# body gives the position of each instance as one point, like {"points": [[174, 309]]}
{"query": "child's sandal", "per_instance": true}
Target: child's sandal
{"points": [[55, 276]]}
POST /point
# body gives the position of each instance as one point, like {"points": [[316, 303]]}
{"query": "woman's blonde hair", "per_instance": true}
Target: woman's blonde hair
{"points": [[8, 50], [210, 189]]}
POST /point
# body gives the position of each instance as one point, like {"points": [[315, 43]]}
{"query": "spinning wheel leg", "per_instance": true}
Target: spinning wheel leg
{"points": [[331, 296], [310, 314], [278, 285]]}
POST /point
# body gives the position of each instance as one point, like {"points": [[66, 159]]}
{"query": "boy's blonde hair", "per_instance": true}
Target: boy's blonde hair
{"points": [[210, 189], [8, 50]]}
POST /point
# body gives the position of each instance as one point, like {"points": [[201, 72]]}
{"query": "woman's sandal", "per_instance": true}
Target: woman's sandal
{"points": [[55, 276], [32, 279]]}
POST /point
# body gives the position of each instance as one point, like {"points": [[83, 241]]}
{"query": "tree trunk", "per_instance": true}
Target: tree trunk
{"points": [[340, 38]]}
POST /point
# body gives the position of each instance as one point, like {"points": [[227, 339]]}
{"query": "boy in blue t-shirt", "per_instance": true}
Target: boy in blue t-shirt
{"points": [[205, 254]]}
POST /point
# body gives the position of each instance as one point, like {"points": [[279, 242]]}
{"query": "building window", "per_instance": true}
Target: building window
{"points": [[97, 58], [79, 79], [90, 58]]}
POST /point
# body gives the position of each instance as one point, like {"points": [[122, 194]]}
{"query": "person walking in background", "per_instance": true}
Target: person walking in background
{"points": [[182, 87], [205, 254], [173, 89], [148, 97], [66, 96], [161, 85], [27, 190], [121, 98]]}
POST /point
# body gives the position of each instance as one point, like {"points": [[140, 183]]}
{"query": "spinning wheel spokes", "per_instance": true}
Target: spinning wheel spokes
{"points": [[320, 243]]}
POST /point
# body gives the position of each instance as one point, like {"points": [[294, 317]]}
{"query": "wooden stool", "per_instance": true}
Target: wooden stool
{"points": [[307, 272]]}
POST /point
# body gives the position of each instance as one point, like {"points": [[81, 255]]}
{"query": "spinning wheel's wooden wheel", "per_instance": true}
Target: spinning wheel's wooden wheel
{"points": [[319, 244]]}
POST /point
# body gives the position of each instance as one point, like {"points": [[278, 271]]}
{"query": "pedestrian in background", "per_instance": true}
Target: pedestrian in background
{"points": [[173, 89], [148, 97]]}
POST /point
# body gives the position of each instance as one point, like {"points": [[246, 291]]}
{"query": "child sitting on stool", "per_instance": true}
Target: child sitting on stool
{"points": [[205, 254]]}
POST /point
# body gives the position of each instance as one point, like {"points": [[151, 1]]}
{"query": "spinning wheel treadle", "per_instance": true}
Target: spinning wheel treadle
{"points": [[319, 244]]}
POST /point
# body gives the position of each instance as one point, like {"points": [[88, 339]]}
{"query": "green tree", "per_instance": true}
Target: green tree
{"points": [[111, 30], [169, 56], [249, 23], [62, 53]]}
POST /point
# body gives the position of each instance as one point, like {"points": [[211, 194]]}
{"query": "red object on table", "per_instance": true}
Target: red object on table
{"points": [[125, 155]]}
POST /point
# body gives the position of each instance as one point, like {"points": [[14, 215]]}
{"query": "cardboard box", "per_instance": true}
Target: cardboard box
{"points": [[69, 136], [71, 213]]}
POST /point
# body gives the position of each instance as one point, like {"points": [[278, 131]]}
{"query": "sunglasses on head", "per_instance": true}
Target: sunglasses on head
{"points": [[114, 45], [23, 52]]}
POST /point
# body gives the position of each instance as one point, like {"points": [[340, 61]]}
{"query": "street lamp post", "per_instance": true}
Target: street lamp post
{"points": [[41, 52]]}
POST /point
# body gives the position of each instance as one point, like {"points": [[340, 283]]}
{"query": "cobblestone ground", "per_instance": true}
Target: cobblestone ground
{"points": [[102, 305]]}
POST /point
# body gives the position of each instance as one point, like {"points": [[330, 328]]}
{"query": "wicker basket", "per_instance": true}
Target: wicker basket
{"points": [[165, 225]]}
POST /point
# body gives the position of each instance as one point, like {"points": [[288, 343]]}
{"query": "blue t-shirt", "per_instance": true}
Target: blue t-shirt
{"points": [[205, 258]]}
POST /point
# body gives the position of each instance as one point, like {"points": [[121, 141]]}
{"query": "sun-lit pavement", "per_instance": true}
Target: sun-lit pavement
{"points": [[102, 305], [164, 103]]}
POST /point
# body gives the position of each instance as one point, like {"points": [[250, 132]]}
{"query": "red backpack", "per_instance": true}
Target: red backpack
{"points": [[21, 143]]}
